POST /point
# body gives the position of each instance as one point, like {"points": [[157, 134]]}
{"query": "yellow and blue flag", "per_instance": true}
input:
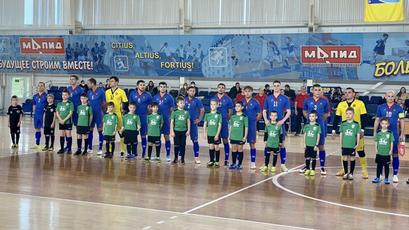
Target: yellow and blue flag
{"points": [[384, 10]]}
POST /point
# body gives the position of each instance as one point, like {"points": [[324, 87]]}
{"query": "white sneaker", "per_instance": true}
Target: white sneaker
{"points": [[90, 151], [350, 177], [253, 165], [283, 168], [197, 161], [302, 170], [99, 153], [323, 172], [395, 179], [345, 177], [168, 159]]}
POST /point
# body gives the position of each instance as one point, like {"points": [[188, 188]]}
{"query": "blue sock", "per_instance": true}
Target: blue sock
{"points": [[144, 142], [101, 139], [253, 155], [69, 143], [167, 147], [283, 155], [322, 158], [395, 165], [226, 151], [90, 139], [196, 148], [38, 137]]}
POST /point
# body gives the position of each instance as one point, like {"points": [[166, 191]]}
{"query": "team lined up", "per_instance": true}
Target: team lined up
{"points": [[150, 117]]}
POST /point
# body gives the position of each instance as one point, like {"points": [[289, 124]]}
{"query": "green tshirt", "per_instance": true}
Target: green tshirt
{"points": [[312, 133], [213, 121], [64, 109], [110, 123], [180, 119], [273, 135], [84, 115], [349, 131], [154, 123], [131, 122], [384, 141], [238, 123]]}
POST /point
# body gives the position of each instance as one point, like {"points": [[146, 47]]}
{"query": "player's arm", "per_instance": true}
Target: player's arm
{"points": [[124, 100], [202, 111], [402, 129], [391, 149], [318, 140], [246, 128], [21, 118], [188, 127], [375, 125], [265, 116], [90, 116], [59, 117], [138, 123], [172, 134], [287, 115], [204, 128]]}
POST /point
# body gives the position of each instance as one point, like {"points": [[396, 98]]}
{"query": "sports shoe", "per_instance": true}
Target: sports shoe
{"points": [[168, 159], [182, 161], [239, 167], [226, 163], [147, 158], [90, 151], [264, 168], [38, 148], [307, 172], [407, 182], [376, 180], [99, 153], [216, 165], [345, 177], [157, 159], [85, 152], [210, 164], [78, 152], [312, 172], [197, 161], [302, 170], [283, 168], [16, 146], [365, 174], [122, 155], [350, 177], [69, 152], [130, 156], [253, 165], [108, 155], [233, 166], [273, 169], [175, 161], [395, 179], [50, 149], [45, 149], [323, 172], [61, 151], [386, 181], [340, 173]]}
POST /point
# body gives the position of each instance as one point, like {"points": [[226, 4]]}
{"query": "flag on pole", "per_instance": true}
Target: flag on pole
{"points": [[384, 10]]}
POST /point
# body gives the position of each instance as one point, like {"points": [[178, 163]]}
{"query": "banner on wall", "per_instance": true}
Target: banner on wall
{"points": [[384, 10], [335, 56]]}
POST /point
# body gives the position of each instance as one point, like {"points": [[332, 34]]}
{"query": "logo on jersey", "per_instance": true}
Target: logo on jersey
{"points": [[348, 132], [383, 141], [83, 113], [212, 122], [311, 133], [181, 117], [129, 122], [42, 45], [153, 122], [236, 124], [331, 55]]}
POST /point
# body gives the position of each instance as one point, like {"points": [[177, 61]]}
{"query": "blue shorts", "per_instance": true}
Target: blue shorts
{"points": [[323, 134], [252, 132], [224, 132], [38, 120], [194, 133], [166, 126], [144, 124], [97, 121]]}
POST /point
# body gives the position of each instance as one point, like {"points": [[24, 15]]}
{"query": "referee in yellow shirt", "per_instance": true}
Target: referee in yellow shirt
{"points": [[360, 111], [118, 97]]}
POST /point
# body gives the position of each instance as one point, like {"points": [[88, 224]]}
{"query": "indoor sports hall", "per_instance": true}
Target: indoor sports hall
{"points": [[204, 114]]}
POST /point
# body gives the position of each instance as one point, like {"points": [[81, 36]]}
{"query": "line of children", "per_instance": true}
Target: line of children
{"points": [[211, 128], [84, 119], [15, 113], [130, 130], [179, 129], [238, 136], [155, 122]]}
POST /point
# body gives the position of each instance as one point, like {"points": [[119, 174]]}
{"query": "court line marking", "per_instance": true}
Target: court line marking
{"points": [[175, 213], [276, 183]]}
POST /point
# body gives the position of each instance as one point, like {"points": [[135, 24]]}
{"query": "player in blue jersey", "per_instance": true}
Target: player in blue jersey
{"points": [[225, 108], [320, 104], [166, 104], [252, 110], [196, 112], [75, 96], [281, 104], [142, 100], [39, 102], [96, 99], [395, 114]]}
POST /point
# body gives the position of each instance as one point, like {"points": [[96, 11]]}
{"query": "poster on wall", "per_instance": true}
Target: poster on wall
{"points": [[319, 56]]}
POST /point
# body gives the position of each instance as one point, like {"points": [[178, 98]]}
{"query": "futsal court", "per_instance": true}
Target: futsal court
{"points": [[51, 191]]}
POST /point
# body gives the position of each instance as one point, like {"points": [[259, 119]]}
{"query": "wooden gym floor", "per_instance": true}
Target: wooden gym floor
{"points": [[49, 191]]}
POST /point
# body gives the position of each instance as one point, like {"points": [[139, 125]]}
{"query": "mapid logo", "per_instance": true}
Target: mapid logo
{"points": [[47, 45]]}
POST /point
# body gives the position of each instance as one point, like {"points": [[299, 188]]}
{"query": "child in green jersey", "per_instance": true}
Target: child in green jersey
{"points": [[155, 122], [384, 146], [131, 125], [110, 123], [64, 113], [349, 139], [273, 143], [238, 135], [211, 127], [312, 133], [84, 112], [179, 129]]}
